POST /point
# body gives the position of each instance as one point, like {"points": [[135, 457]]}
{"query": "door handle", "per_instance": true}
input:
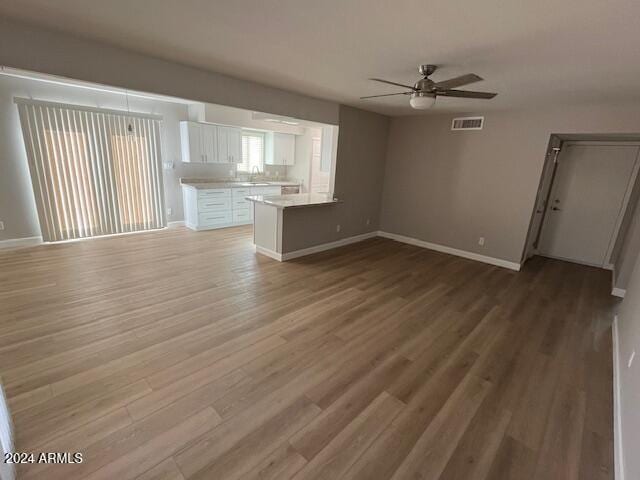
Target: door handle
{"points": [[556, 208]]}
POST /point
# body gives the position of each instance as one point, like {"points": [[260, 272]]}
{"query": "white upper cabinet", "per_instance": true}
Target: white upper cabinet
{"points": [[209, 140], [280, 149], [199, 142], [209, 143], [229, 144]]}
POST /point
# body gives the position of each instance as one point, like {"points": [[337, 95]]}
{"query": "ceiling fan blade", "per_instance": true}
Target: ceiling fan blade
{"points": [[386, 95], [458, 81], [392, 83], [465, 94]]}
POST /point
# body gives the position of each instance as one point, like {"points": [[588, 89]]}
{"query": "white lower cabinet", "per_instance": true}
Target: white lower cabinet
{"points": [[214, 219], [243, 216], [220, 207]]}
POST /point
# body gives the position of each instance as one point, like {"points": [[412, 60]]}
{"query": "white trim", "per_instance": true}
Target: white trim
{"points": [[623, 208], [84, 108], [400, 238], [269, 253], [617, 417], [452, 251], [20, 242], [327, 246], [283, 257], [618, 292], [177, 223]]}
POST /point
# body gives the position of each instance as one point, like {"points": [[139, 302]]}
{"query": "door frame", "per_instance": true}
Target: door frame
{"points": [[560, 141], [529, 250]]}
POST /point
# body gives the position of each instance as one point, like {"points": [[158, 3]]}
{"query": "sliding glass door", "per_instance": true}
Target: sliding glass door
{"points": [[94, 172]]}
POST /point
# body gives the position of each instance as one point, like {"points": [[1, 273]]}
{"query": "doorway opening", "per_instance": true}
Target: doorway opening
{"points": [[588, 187]]}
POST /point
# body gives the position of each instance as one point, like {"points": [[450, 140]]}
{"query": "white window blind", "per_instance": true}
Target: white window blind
{"points": [[94, 172], [252, 152]]}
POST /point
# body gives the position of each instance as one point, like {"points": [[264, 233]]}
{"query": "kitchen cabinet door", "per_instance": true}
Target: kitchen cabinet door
{"points": [[234, 144], [223, 149], [191, 142], [209, 143], [284, 148]]}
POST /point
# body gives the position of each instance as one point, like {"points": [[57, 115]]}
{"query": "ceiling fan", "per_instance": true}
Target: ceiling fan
{"points": [[424, 91]]}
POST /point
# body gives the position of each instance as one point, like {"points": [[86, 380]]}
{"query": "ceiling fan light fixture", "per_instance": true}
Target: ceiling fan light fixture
{"points": [[422, 100]]}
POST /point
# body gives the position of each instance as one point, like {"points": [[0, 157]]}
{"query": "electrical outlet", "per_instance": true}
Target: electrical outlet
{"points": [[169, 211], [633, 354], [232, 173], [481, 241], [1, 225], [168, 165], [368, 221], [338, 228]]}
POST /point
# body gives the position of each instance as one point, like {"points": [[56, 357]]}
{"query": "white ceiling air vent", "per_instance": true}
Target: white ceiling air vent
{"points": [[467, 123]]}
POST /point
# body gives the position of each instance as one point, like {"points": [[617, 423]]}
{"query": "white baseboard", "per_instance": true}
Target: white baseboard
{"points": [[177, 223], [618, 453], [618, 292], [20, 242], [401, 238], [452, 251], [282, 257], [269, 253], [328, 246]]}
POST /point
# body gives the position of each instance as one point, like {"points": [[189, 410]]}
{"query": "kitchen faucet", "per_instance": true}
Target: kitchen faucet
{"points": [[254, 170]]}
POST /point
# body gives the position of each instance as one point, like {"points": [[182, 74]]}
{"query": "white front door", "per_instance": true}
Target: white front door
{"points": [[587, 202]]}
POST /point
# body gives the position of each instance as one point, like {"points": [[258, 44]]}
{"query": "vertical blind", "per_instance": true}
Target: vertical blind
{"points": [[252, 152], [94, 172]]}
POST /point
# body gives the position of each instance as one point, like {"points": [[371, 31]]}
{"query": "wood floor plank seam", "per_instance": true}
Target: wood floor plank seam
{"points": [[184, 355]]}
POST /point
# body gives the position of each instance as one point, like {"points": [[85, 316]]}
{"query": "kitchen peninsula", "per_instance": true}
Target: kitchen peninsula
{"points": [[270, 216]]}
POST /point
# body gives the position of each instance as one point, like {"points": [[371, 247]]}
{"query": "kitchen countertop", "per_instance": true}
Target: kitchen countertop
{"points": [[294, 200], [205, 184]]}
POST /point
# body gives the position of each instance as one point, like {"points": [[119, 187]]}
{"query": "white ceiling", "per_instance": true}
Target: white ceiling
{"points": [[532, 52]]}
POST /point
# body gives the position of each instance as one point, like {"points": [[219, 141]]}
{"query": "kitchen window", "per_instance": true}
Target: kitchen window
{"points": [[252, 152]]}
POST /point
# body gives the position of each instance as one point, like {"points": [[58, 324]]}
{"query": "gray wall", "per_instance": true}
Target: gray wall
{"points": [[450, 188], [362, 146], [629, 339], [39, 50]]}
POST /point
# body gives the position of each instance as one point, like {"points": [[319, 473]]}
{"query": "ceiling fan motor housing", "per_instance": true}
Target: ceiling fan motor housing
{"points": [[426, 70], [424, 85]]}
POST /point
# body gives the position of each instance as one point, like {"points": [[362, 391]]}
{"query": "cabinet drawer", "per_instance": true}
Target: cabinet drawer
{"points": [[214, 204], [214, 193], [241, 216], [241, 192], [241, 203], [209, 219]]}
